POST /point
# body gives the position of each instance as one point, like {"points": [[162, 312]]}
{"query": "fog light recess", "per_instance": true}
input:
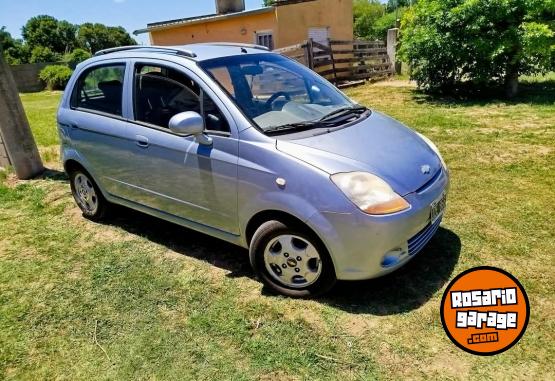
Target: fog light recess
{"points": [[393, 257]]}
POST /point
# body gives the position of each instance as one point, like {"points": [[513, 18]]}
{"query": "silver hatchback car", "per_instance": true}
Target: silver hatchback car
{"points": [[253, 148]]}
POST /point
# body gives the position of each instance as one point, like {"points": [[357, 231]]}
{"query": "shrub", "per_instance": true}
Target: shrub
{"points": [[76, 57], [55, 76], [476, 42]]}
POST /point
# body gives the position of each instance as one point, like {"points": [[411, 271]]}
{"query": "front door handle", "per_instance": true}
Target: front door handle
{"points": [[142, 141]]}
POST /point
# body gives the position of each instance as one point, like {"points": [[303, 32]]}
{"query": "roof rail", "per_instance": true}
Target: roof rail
{"points": [[178, 51], [239, 45]]}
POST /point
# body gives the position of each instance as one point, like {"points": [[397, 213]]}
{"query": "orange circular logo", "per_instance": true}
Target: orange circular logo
{"points": [[485, 311]]}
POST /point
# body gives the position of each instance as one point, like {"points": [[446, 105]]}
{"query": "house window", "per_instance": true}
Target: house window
{"points": [[319, 35], [265, 39]]}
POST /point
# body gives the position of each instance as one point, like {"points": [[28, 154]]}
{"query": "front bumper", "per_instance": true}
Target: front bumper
{"points": [[365, 247]]}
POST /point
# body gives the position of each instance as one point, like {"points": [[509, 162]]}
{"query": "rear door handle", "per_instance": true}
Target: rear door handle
{"points": [[142, 141]]}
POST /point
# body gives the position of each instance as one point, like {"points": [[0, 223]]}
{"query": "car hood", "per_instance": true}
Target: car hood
{"points": [[379, 145]]}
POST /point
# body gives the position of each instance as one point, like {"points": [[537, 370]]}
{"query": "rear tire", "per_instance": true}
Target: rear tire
{"points": [[291, 260], [87, 195]]}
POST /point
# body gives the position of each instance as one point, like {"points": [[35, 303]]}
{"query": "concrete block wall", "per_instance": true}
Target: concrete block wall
{"points": [[26, 76]]}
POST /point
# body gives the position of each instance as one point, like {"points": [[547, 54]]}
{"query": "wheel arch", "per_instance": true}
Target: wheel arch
{"points": [[287, 218], [269, 215], [71, 165]]}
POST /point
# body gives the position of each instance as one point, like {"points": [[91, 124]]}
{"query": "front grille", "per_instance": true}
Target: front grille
{"points": [[420, 240]]}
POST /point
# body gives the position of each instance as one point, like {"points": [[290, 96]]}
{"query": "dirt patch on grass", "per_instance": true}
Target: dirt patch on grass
{"points": [[448, 364], [391, 360], [12, 181], [358, 326], [395, 83]]}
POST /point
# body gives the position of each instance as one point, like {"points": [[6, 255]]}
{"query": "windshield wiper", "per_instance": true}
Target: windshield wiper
{"points": [[300, 126], [326, 121], [340, 112]]}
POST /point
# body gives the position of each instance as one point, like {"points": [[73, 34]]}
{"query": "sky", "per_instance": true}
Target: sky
{"points": [[131, 14]]}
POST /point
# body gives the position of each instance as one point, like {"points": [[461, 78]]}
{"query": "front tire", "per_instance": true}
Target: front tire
{"points": [[291, 260], [87, 195]]}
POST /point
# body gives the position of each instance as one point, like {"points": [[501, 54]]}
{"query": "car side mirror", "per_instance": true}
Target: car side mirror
{"points": [[190, 123]]}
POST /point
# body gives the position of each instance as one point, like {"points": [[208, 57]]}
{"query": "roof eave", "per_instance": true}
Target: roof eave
{"points": [[203, 20]]}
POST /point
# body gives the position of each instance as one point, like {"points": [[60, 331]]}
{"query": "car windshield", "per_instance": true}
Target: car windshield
{"points": [[279, 94]]}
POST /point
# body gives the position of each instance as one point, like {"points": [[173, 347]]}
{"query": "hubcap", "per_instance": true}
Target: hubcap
{"points": [[85, 194], [292, 261]]}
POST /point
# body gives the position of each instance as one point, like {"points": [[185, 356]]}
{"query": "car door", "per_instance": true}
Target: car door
{"points": [[176, 174], [97, 124]]}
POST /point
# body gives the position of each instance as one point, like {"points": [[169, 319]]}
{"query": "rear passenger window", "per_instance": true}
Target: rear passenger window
{"points": [[101, 89]]}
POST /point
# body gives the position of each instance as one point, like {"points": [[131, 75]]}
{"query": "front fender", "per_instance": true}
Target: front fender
{"points": [[306, 192]]}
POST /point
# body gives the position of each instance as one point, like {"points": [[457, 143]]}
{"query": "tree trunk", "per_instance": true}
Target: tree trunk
{"points": [[15, 132], [511, 82]]}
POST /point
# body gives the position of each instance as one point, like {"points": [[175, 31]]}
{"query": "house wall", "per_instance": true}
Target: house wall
{"points": [[289, 23], [295, 20], [237, 29]]}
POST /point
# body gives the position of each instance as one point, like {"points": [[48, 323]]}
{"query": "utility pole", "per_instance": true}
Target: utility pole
{"points": [[16, 138]]}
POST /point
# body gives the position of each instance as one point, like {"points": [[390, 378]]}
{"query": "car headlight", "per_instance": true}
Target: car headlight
{"points": [[434, 148], [370, 193]]}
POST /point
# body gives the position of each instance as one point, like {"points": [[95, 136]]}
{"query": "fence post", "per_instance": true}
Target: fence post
{"points": [[330, 45], [309, 54], [15, 133], [392, 35]]}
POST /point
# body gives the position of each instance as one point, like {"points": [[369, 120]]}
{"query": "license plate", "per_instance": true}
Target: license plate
{"points": [[438, 207]]}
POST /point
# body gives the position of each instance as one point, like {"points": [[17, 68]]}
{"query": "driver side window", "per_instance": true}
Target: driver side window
{"points": [[161, 93]]}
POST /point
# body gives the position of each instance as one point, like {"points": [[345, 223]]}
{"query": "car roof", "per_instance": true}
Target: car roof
{"points": [[195, 52]]}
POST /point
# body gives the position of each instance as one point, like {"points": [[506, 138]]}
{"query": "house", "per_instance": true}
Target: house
{"points": [[285, 23]]}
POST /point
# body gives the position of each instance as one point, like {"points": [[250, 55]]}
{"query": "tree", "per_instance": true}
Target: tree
{"points": [[387, 21], [366, 13], [371, 19], [95, 37], [15, 52], [42, 31], [67, 35], [481, 42], [6, 39], [47, 39], [43, 54], [394, 4], [46, 31]]}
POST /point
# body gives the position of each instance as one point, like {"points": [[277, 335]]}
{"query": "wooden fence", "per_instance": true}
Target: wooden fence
{"points": [[343, 62]]}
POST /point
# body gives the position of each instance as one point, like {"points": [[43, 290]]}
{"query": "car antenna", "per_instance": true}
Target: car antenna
{"points": [[243, 50]]}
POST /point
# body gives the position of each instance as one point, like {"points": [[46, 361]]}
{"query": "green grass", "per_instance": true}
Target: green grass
{"points": [[143, 299], [41, 112]]}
